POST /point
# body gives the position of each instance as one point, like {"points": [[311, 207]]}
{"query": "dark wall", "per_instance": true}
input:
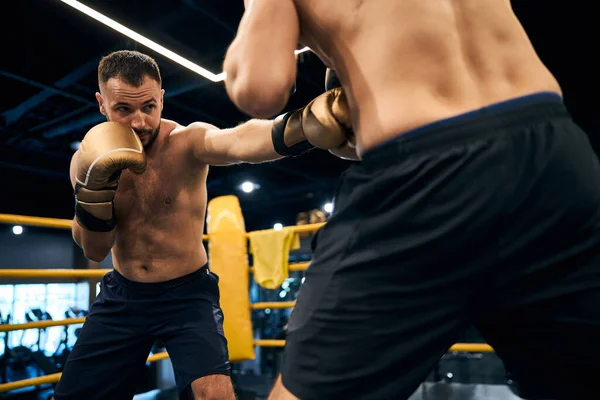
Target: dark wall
{"points": [[38, 248], [560, 33], [42, 248]]}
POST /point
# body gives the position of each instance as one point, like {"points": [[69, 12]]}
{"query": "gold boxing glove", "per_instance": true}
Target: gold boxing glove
{"points": [[324, 123], [105, 151]]}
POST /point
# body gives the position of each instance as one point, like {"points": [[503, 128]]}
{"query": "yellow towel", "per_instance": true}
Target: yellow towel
{"points": [[270, 250]]}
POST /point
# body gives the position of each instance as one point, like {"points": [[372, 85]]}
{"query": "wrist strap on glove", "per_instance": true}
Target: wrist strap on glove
{"points": [[278, 134], [90, 221]]}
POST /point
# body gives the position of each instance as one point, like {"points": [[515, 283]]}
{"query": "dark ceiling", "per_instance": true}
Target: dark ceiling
{"points": [[48, 78]]}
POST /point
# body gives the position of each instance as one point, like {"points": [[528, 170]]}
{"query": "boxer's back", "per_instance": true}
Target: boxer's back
{"points": [[405, 63]]}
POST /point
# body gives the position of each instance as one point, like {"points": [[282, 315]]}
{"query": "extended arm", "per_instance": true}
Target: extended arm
{"points": [[260, 64], [249, 142], [323, 123]]}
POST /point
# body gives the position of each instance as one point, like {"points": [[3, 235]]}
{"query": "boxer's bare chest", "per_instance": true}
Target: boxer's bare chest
{"points": [[158, 192]]}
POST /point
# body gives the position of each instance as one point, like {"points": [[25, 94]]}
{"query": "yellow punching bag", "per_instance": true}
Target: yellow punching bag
{"points": [[228, 258]]}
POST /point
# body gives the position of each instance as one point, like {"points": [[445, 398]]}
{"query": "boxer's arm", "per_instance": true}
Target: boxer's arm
{"points": [[260, 64], [323, 123], [95, 245], [249, 142]]}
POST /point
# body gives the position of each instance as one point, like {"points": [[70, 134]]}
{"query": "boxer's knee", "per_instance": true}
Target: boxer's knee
{"points": [[279, 392]]}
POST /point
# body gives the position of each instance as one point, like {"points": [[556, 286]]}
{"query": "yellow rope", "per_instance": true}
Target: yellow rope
{"points": [[53, 273], [272, 304], [36, 221], [40, 324], [53, 378], [460, 347], [44, 222], [292, 267]]}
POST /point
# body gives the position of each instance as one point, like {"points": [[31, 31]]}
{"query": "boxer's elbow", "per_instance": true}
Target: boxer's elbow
{"points": [[261, 97], [95, 251], [95, 246], [95, 256]]}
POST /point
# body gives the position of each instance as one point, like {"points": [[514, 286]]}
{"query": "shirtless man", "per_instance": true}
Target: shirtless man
{"points": [[477, 200], [140, 190]]}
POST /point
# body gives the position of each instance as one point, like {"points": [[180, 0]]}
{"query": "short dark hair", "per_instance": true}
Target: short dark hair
{"points": [[130, 66]]}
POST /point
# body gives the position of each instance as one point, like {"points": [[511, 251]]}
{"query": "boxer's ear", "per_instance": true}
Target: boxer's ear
{"points": [[101, 103]]}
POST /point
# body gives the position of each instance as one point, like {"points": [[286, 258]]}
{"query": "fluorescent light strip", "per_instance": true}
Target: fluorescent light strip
{"points": [[149, 43], [143, 40]]}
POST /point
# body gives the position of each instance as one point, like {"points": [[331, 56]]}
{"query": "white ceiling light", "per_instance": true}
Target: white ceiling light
{"points": [[149, 43], [247, 187]]}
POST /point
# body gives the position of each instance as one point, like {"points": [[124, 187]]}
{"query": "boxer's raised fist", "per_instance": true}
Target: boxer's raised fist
{"points": [[105, 151]]}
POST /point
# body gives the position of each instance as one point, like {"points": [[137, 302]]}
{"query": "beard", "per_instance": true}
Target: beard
{"points": [[148, 136]]}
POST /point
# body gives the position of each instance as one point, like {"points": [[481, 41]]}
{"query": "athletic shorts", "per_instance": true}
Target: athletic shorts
{"points": [[492, 219], [109, 358]]}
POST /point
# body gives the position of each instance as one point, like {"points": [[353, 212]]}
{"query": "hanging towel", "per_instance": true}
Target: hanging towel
{"points": [[270, 250]]}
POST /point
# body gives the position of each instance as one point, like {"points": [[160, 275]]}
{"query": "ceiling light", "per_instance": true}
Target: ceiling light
{"points": [[247, 187], [141, 39], [151, 44]]}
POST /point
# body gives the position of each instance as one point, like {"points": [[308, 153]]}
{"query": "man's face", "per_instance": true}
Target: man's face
{"points": [[137, 107]]}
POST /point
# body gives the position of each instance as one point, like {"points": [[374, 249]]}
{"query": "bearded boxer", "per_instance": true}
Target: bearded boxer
{"points": [[140, 191], [477, 200]]}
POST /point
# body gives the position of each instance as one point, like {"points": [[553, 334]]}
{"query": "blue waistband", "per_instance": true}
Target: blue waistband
{"points": [[520, 109]]}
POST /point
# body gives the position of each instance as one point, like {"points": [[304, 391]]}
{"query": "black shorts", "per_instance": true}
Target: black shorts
{"points": [[109, 357], [491, 219]]}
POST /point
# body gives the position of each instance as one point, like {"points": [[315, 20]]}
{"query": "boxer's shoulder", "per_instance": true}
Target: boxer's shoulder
{"points": [[187, 142], [169, 127], [179, 131]]}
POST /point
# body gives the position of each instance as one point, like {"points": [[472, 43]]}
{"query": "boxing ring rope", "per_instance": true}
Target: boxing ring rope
{"points": [[36, 221], [41, 324], [54, 378], [99, 273], [43, 222], [301, 266], [458, 347], [53, 273], [68, 224], [272, 304]]}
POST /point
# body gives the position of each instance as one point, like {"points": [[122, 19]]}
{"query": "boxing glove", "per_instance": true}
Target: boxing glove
{"points": [[105, 151], [347, 150], [323, 123]]}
